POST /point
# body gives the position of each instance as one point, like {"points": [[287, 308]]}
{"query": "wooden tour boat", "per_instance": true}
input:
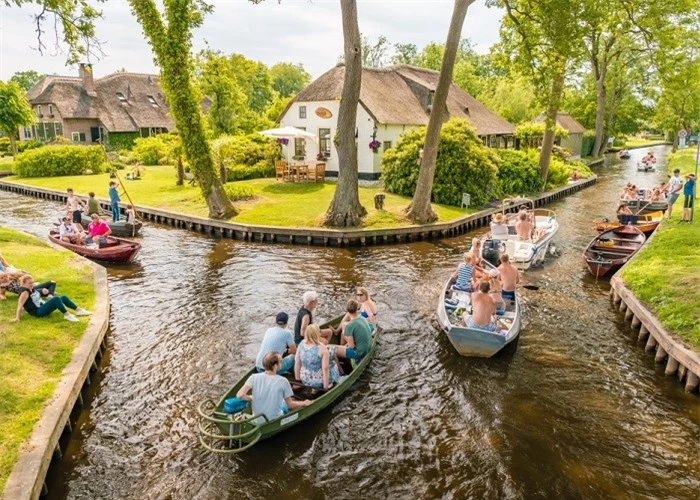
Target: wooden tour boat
{"points": [[474, 342], [116, 250], [646, 223], [227, 434], [120, 228], [642, 206], [611, 250]]}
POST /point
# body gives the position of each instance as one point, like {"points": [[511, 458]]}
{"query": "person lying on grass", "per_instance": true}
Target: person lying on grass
{"points": [[30, 300]]}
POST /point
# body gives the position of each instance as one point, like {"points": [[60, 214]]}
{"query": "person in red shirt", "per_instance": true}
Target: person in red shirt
{"points": [[98, 229]]}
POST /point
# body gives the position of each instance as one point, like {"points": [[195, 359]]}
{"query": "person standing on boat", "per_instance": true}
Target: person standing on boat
{"points": [[483, 309], [93, 206], [270, 390], [73, 204], [305, 318], [114, 200], [688, 194], [98, 229], [278, 339], [509, 276], [675, 183], [524, 227]]}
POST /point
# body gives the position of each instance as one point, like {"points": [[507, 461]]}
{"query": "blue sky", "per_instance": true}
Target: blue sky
{"points": [[300, 31]]}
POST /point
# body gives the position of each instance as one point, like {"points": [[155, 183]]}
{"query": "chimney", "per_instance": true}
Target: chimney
{"points": [[85, 73]]}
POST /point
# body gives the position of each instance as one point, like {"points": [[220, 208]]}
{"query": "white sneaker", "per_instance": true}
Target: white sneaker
{"points": [[69, 317], [82, 312]]}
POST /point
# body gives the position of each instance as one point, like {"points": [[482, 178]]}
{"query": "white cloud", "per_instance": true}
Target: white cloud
{"points": [[305, 31]]}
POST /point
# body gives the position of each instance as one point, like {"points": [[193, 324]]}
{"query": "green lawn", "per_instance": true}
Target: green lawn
{"points": [[636, 142], [34, 352], [276, 203], [6, 162], [666, 273]]}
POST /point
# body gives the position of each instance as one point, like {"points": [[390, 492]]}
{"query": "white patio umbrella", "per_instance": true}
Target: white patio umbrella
{"points": [[289, 133]]}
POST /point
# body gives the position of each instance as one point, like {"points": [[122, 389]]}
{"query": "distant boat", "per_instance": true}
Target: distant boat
{"points": [[646, 167], [646, 223], [611, 250], [116, 250], [623, 154], [120, 228]]}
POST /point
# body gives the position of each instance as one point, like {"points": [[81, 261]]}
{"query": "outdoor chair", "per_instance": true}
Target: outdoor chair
{"points": [[311, 173], [320, 172], [281, 171], [302, 173]]}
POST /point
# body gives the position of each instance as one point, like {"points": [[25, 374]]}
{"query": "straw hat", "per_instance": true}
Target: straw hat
{"points": [[498, 218]]}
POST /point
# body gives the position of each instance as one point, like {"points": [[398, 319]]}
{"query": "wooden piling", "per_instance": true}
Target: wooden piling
{"points": [[660, 354], [636, 323], [671, 366], [691, 383], [651, 343]]}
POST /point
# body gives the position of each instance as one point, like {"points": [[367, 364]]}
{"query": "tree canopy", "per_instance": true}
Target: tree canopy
{"points": [[15, 111]]}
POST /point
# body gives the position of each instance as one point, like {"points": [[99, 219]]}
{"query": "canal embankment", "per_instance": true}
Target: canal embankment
{"points": [[316, 236], [44, 362]]}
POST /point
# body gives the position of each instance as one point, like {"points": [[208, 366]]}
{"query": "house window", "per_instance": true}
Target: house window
{"points": [[78, 136], [493, 141], [302, 112], [324, 142], [152, 100], [38, 111], [50, 131], [27, 133], [58, 127], [121, 97], [300, 146], [387, 145], [51, 110]]}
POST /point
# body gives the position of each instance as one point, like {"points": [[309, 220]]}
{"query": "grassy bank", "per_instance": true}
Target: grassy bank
{"points": [[666, 273], [34, 351], [636, 142], [276, 203]]}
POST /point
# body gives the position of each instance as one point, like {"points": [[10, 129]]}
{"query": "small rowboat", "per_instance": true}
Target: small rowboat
{"points": [[646, 223], [116, 250], [474, 342], [642, 207], [646, 167], [120, 228], [612, 249], [222, 433], [623, 155]]}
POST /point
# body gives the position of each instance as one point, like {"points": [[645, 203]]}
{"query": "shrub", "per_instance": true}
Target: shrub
{"points": [[561, 153], [588, 143], [5, 144], [236, 192], [244, 172], [249, 150], [464, 165], [531, 133], [518, 172], [27, 145], [53, 161], [560, 172], [158, 149]]}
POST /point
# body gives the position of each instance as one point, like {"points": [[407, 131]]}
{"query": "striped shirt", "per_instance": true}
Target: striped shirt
{"points": [[464, 275]]}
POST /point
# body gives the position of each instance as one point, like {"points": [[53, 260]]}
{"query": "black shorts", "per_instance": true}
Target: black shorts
{"points": [[77, 216], [688, 201]]}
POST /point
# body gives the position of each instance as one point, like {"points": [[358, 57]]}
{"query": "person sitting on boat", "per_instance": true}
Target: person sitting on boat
{"points": [[98, 230], [524, 228], [657, 195], [278, 339], [130, 215], [69, 232], [273, 393], [509, 276], [316, 364], [466, 274], [475, 251], [623, 209], [499, 228], [649, 158], [357, 333], [483, 309], [30, 299], [93, 206], [368, 307], [305, 317], [495, 291], [73, 205]]}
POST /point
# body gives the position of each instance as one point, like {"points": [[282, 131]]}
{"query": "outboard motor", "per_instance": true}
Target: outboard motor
{"points": [[491, 252]]}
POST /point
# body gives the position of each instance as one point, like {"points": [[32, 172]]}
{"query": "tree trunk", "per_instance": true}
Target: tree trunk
{"points": [[222, 172], [180, 172], [345, 209], [551, 121], [599, 144], [13, 144], [420, 210]]}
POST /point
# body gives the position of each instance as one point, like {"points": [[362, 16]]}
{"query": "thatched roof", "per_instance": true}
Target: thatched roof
{"points": [[565, 121], [72, 100], [399, 95]]}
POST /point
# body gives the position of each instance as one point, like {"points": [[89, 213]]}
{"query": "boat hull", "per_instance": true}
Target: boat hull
{"points": [[643, 207], [612, 249], [125, 251], [120, 228]]}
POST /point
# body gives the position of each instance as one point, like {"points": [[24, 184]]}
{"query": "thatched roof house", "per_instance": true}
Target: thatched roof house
{"points": [[574, 142], [392, 100], [115, 108]]}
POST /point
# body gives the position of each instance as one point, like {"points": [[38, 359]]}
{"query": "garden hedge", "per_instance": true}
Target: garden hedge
{"points": [[54, 161]]}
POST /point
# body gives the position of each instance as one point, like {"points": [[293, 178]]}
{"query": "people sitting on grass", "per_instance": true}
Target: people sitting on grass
{"points": [[305, 318], [524, 228], [30, 299], [93, 206], [98, 230], [467, 274], [9, 278], [483, 309], [273, 393], [278, 339], [70, 232], [316, 364]]}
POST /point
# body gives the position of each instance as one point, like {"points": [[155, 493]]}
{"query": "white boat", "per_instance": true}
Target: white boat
{"points": [[646, 167], [523, 254], [453, 310]]}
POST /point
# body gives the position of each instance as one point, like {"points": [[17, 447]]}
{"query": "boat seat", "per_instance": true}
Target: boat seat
{"points": [[614, 249]]}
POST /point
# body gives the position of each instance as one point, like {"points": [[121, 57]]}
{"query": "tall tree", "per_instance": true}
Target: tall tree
{"points": [[544, 44], [405, 53], [375, 55], [345, 208], [26, 79], [229, 103], [420, 209], [170, 37], [288, 79], [15, 111]]}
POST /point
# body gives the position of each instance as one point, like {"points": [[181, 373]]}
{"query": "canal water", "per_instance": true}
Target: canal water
{"points": [[574, 409]]}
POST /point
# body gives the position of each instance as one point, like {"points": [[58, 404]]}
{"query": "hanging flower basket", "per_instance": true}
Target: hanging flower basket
{"points": [[375, 145], [283, 141]]}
